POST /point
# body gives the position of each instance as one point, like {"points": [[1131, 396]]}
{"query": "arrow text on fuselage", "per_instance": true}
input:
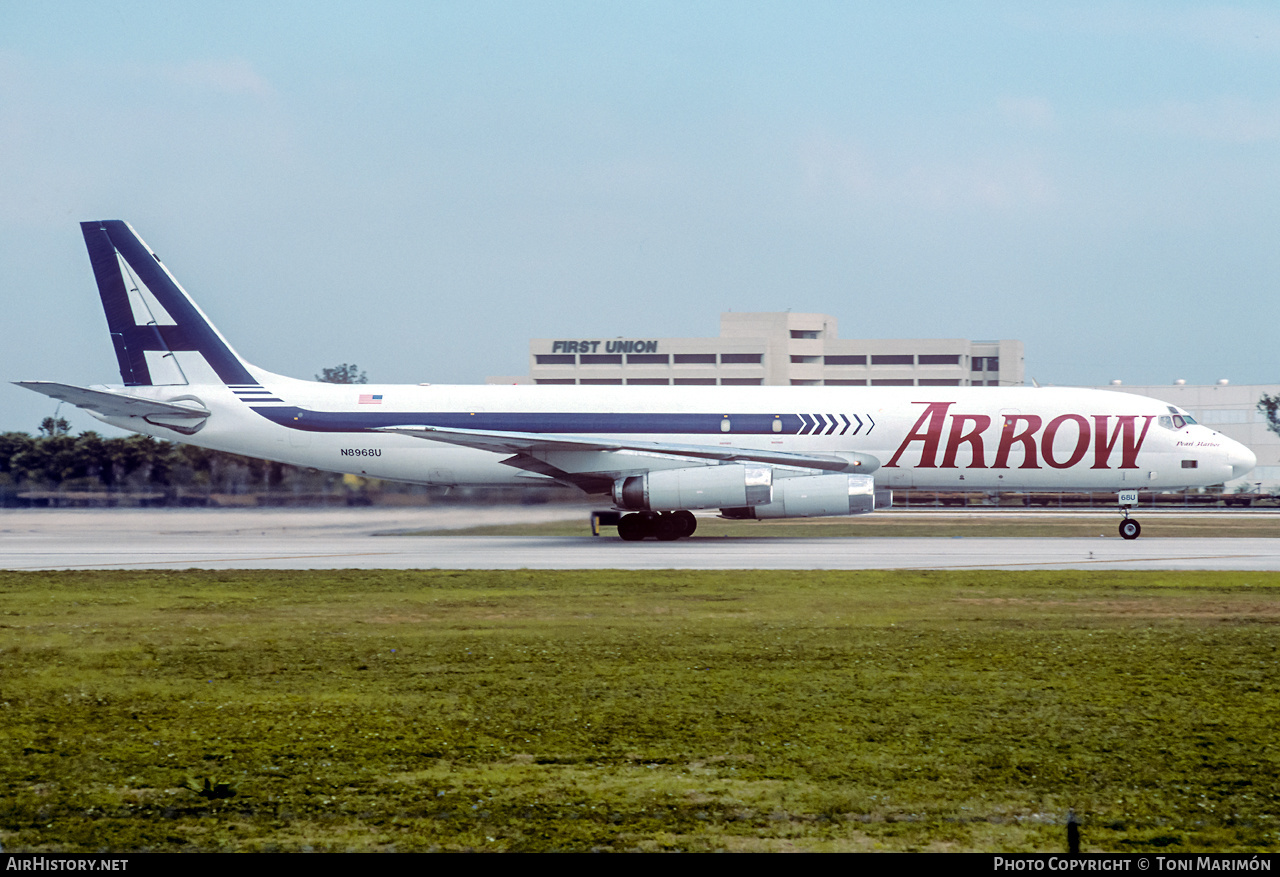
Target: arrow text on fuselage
{"points": [[1062, 443]]}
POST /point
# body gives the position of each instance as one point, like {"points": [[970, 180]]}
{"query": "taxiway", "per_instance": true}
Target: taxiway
{"points": [[345, 539]]}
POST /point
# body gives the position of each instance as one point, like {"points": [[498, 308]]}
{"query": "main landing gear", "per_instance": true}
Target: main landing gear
{"points": [[663, 526]]}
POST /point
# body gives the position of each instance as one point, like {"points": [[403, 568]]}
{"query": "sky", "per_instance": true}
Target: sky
{"points": [[420, 188]]}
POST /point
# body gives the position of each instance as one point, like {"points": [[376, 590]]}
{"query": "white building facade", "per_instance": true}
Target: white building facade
{"points": [[774, 349]]}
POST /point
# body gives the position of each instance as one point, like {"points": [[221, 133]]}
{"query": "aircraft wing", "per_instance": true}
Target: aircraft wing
{"points": [[113, 404], [538, 452]]}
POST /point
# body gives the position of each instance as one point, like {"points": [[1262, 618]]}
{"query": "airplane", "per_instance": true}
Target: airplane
{"points": [[658, 453]]}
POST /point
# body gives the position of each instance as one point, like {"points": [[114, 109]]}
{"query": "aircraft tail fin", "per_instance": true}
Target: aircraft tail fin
{"points": [[161, 336]]}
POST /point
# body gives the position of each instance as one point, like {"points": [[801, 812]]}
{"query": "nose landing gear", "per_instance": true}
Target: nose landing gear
{"points": [[1129, 528]]}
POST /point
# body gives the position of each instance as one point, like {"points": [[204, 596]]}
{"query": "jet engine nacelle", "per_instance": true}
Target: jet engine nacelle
{"points": [[700, 487], [811, 496]]}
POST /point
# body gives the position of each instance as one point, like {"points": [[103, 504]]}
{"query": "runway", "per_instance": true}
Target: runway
{"points": [[344, 539]]}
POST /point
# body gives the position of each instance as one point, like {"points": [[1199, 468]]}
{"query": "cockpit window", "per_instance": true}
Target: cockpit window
{"points": [[1174, 420]]}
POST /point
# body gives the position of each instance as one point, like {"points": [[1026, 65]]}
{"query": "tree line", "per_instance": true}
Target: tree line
{"points": [[55, 468], [55, 460]]}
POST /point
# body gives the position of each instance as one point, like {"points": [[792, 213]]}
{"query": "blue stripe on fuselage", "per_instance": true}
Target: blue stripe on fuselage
{"points": [[533, 421]]}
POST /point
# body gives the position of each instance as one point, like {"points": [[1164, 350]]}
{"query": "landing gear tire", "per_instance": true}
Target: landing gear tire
{"points": [[1130, 529], [668, 528], [688, 522], [633, 528], [665, 527]]}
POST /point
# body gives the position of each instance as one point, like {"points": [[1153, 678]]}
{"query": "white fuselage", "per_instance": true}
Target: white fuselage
{"points": [[956, 438]]}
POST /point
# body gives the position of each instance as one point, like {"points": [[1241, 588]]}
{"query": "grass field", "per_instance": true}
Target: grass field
{"points": [[638, 711]]}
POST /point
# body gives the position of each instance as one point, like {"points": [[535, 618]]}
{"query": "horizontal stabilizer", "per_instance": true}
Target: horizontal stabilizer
{"points": [[111, 404], [529, 443]]}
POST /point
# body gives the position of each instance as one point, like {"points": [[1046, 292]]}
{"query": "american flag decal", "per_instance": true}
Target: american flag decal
{"points": [[370, 399]]}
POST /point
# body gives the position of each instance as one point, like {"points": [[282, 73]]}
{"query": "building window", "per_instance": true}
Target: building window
{"points": [[648, 382], [1224, 415], [741, 358], [830, 383], [695, 359], [939, 359], [805, 334], [796, 383], [893, 382], [554, 359], [553, 381], [600, 381], [806, 359], [939, 382], [892, 359], [601, 359], [647, 359], [846, 360], [741, 382], [986, 363], [695, 382]]}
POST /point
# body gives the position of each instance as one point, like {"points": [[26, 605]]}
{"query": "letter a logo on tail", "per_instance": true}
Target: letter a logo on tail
{"points": [[160, 335]]}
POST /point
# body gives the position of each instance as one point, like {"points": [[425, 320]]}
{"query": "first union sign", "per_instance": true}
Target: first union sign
{"points": [[614, 346]]}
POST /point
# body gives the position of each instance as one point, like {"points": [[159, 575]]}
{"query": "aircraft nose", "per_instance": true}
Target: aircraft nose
{"points": [[1242, 460]]}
